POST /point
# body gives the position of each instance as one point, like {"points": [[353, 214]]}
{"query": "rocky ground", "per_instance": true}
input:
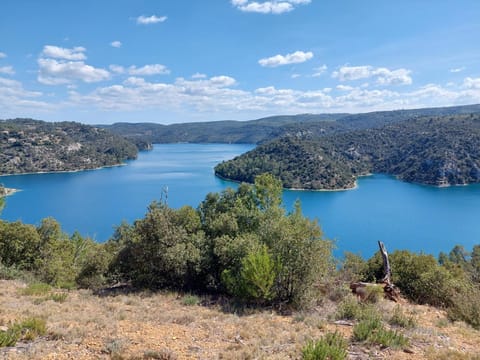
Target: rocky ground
{"points": [[175, 326]]}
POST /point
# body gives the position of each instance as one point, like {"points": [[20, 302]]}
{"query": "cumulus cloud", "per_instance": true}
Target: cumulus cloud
{"points": [[457, 70], [471, 83], [2, 55], [220, 94], [76, 53], [116, 44], [8, 70], [382, 75], [148, 20], [293, 58], [53, 72], [268, 7], [153, 69]]}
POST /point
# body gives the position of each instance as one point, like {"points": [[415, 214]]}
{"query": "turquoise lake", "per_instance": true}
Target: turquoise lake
{"points": [[402, 215]]}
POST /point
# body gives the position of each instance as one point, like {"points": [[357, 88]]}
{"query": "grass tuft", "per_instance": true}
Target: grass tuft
{"points": [[190, 300], [332, 346], [36, 289]]}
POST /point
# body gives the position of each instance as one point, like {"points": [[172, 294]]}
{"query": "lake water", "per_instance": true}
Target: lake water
{"points": [[404, 216]]}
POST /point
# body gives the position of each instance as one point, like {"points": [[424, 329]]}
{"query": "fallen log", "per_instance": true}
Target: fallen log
{"points": [[363, 289]]}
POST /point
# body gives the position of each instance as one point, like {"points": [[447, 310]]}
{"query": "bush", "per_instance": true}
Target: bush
{"points": [[372, 331], [164, 253], [19, 245], [466, 307], [256, 277], [36, 289], [348, 309], [331, 347], [398, 318], [366, 328], [419, 277], [27, 330], [190, 300]]}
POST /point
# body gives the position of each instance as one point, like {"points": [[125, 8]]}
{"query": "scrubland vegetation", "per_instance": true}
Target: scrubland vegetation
{"points": [[238, 261]]}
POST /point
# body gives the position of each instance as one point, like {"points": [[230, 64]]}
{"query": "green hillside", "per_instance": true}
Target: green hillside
{"points": [[37, 146], [430, 150]]}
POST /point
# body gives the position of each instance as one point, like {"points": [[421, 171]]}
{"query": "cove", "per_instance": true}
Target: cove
{"points": [[404, 216]]}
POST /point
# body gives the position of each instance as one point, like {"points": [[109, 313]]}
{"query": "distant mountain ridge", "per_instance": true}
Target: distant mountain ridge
{"points": [[268, 128], [37, 146]]}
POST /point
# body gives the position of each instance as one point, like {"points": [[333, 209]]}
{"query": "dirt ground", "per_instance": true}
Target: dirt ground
{"points": [[174, 326]]}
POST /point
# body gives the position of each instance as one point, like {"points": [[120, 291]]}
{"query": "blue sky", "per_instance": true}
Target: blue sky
{"points": [[170, 61]]}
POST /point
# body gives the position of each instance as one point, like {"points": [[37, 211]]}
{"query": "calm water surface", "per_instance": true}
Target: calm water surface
{"points": [[404, 216]]}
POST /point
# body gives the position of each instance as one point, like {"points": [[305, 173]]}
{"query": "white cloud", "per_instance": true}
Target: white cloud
{"points": [[457, 70], [268, 7], [16, 101], [116, 44], [147, 20], [383, 76], [2, 55], [392, 77], [117, 69], [199, 76], [76, 53], [344, 88], [348, 73], [219, 96], [8, 70], [153, 69], [319, 71], [295, 76], [293, 58], [471, 83], [53, 72]]}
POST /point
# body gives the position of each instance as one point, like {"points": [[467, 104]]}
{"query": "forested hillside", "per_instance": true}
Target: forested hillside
{"points": [[37, 146], [269, 128], [430, 150]]}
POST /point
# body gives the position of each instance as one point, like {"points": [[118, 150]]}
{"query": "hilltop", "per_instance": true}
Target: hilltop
{"points": [[29, 146]]}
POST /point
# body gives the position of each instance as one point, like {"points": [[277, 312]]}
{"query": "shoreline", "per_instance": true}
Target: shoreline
{"points": [[65, 171], [9, 191], [354, 187]]}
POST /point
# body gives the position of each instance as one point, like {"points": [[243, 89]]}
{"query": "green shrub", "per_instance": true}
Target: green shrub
{"points": [[331, 347], [256, 278], [164, 254], [466, 307], [398, 318], [353, 267], [19, 244], [190, 300], [8, 338], [348, 309], [36, 289], [351, 309], [389, 338], [58, 297], [27, 330], [30, 328], [366, 328], [372, 331]]}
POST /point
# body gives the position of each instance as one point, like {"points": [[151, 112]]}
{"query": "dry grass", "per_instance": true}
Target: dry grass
{"points": [[149, 326]]}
